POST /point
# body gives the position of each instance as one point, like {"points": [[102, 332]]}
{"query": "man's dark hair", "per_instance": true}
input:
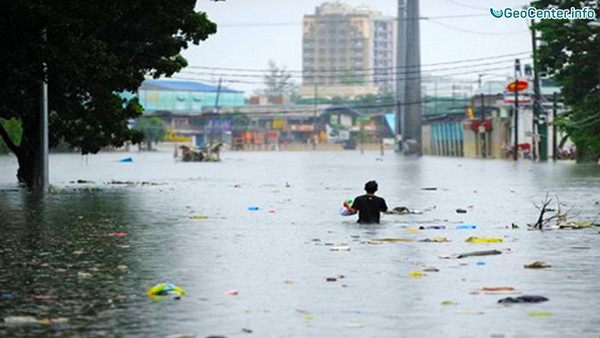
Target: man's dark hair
{"points": [[371, 187]]}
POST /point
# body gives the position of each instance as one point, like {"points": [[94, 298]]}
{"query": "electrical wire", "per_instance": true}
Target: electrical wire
{"points": [[465, 5], [475, 32], [380, 76], [362, 69], [278, 24], [477, 71]]}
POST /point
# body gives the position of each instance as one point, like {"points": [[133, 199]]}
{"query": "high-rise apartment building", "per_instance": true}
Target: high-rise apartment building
{"points": [[347, 46]]}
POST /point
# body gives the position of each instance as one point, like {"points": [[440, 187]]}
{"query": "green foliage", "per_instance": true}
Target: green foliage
{"points": [[94, 50], [153, 129], [570, 53], [278, 82], [14, 130]]}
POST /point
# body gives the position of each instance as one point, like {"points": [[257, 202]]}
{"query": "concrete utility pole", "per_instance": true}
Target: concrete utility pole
{"points": [[43, 170], [413, 81], [316, 107], [554, 136], [401, 70], [217, 108], [516, 146], [538, 129]]}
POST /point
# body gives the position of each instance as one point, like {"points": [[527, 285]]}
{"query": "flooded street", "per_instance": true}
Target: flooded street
{"points": [[87, 253]]}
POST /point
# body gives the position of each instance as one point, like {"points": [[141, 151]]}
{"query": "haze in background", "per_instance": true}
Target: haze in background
{"points": [[244, 40]]}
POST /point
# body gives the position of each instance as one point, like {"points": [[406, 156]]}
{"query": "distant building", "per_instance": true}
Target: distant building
{"points": [[345, 47], [184, 97]]}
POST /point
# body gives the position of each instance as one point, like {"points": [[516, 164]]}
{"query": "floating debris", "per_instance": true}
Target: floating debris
{"points": [[483, 240], [435, 240], [431, 269], [523, 299], [497, 289], [166, 289], [340, 248], [537, 265]]}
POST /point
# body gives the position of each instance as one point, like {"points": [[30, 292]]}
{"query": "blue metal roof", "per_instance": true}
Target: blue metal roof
{"points": [[192, 86]]}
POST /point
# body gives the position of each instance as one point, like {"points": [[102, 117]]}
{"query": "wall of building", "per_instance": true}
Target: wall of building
{"points": [[189, 101], [347, 40], [443, 138]]}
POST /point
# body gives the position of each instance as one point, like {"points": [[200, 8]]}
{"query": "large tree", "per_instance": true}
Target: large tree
{"points": [[570, 52], [278, 82], [94, 51]]}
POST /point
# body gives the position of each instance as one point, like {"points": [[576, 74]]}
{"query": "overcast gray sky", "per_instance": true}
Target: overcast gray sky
{"points": [[237, 45]]}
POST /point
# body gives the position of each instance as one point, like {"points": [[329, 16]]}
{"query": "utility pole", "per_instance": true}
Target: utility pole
{"points": [[43, 170], [217, 108], [400, 70], [516, 146], [413, 98], [542, 155], [482, 127], [554, 136], [315, 116]]}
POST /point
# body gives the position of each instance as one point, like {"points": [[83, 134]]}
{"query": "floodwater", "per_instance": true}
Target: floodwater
{"points": [[85, 255]]}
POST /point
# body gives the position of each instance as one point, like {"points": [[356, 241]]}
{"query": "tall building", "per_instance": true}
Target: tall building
{"points": [[345, 46]]}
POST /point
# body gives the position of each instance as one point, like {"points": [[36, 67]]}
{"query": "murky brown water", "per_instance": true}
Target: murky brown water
{"points": [[62, 257]]}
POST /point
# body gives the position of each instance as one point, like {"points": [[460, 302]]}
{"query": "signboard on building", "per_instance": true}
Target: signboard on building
{"points": [[303, 127]]}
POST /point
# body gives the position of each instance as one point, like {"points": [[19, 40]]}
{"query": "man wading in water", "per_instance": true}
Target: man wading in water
{"points": [[368, 206]]}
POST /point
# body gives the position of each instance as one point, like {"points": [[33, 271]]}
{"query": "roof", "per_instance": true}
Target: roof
{"points": [[191, 86]]}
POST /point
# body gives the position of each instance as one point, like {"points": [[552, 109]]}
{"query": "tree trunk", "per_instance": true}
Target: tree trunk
{"points": [[585, 155], [28, 154]]}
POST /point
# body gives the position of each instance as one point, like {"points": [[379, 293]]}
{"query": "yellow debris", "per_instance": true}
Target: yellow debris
{"points": [[483, 240]]}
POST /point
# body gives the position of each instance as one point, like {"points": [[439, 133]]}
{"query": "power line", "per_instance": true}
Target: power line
{"points": [[330, 76], [278, 24], [475, 32], [465, 5], [361, 69], [477, 71]]}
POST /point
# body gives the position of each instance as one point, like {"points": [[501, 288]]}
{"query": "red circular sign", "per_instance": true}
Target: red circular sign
{"points": [[521, 85]]}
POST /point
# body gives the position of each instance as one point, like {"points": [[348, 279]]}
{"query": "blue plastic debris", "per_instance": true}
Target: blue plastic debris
{"points": [[466, 227], [480, 263], [253, 208], [126, 159], [9, 295]]}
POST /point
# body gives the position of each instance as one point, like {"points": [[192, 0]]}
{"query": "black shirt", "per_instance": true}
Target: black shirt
{"points": [[369, 208]]}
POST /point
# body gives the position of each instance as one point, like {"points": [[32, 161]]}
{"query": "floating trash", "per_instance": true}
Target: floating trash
{"points": [[253, 208], [417, 274], [540, 314], [523, 299], [232, 293], [340, 248], [166, 289], [466, 227], [394, 240], [497, 289], [435, 240], [537, 265], [483, 240]]}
